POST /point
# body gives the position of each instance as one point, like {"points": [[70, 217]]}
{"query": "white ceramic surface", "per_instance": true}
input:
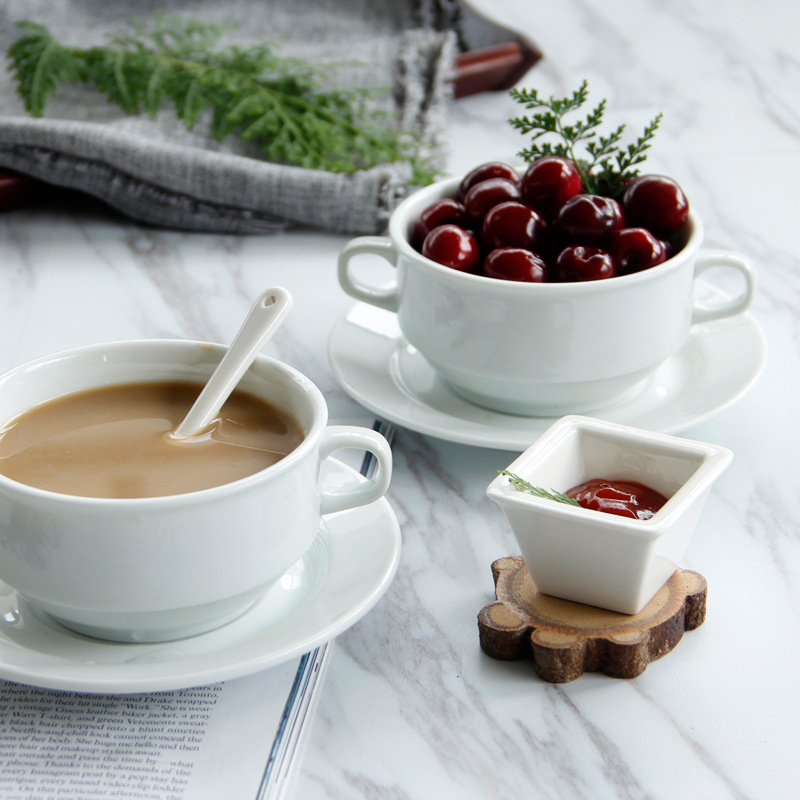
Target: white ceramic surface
{"points": [[154, 569], [592, 557], [377, 367], [259, 326], [335, 583], [539, 349]]}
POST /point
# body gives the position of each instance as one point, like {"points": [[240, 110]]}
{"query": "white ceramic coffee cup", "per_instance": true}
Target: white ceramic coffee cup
{"points": [[161, 568], [539, 349]]}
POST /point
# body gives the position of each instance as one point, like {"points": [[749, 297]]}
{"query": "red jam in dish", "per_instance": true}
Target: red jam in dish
{"points": [[625, 498]]}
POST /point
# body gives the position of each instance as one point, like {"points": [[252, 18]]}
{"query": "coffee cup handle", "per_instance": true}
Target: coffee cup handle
{"points": [[338, 437], [376, 296], [707, 259]]}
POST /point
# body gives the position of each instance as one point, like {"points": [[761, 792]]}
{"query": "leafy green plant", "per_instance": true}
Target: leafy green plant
{"points": [[605, 165], [547, 494], [284, 105]]}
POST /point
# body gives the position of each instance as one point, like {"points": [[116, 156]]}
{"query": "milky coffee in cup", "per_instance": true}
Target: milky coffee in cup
{"points": [[151, 569], [114, 441]]}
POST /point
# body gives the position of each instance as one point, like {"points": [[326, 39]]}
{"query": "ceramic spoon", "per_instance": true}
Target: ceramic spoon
{"points": [[264, 318]]}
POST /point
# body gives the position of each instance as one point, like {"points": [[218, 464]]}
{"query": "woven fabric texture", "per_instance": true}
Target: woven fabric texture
{"points": [[157, 171]]}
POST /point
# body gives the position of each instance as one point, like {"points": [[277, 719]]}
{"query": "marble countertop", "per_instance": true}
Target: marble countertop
{"points": [[412, 708]]}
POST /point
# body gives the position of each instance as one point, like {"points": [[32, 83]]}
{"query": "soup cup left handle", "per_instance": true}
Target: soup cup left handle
{"points": [[339, 437], [387, 298]]}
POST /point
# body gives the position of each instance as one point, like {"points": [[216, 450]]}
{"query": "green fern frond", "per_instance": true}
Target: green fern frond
{"points": [[278, 103], [604, 165], [40, 65]]}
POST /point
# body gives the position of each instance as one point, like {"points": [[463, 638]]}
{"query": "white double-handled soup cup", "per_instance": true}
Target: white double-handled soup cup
{"points": [[594, 557], [160, 568], [539, 349]]}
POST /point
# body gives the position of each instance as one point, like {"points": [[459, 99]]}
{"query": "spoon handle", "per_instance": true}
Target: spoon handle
{"points": [[263, 320]]}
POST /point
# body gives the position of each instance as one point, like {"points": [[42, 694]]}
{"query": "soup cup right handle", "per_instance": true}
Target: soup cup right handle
{"points": [[706, 259], [338, 437], [376, 296]]}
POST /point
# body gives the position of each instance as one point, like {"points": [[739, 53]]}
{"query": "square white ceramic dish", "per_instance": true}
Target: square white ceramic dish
{"points": [[594, 557]]}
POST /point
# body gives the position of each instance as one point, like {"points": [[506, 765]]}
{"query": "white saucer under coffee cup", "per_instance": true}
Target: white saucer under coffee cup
{"points": [[539, 349], [162, 568]]}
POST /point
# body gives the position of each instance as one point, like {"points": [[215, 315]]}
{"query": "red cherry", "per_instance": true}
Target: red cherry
{"points": [[441, 212], [492, 169], [635, 249], [582, 263], [548, 183], [453, 247], [587, 219], [515, 264], [657, 203], [624, 498], [513, 224], [487, 194]]}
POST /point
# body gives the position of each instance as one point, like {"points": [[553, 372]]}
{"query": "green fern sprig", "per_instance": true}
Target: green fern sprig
{"points": [[611, 179], [40, 66], [283, 105], [604, 166], [520, 484]]}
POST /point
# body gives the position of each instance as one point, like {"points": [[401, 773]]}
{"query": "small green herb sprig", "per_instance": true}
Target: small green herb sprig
{"points": [[283, 105], [523, 486], [606, 165]]}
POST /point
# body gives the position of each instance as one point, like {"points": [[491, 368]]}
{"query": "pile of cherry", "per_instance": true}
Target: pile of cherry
{"points": [[542, 226]]}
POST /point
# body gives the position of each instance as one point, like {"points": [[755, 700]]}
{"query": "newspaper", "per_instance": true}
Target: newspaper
{"points": [[237, 739]]}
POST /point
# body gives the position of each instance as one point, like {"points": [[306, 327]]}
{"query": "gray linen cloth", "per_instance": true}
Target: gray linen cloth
{"points": [[157, 171]]}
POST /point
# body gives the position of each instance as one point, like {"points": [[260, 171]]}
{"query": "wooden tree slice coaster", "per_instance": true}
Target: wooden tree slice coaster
{"points": [[566, 639]]}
